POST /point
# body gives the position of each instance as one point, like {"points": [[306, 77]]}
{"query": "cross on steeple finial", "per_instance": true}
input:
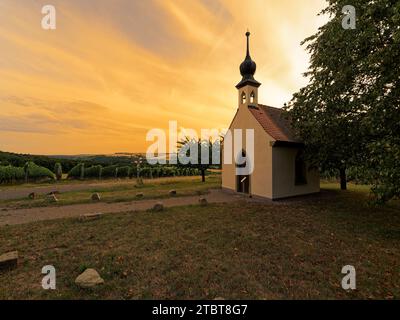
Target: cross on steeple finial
{"points": [[248, 42], [248, 68]]}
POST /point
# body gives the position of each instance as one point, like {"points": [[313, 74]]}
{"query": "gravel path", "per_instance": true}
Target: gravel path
{"points": [[21, 216]]}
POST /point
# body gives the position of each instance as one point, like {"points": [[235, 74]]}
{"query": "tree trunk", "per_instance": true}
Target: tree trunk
{"points": [[203, 175], [343, 179]]}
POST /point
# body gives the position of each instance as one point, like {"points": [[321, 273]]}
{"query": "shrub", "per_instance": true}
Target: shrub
{"points": [[143, 172], [10, 174], [167, 172], [123, 172], [132, 173], [94, 172], [156, 173], [35, 172], [77, 172], [109, 172], [148, 172]]}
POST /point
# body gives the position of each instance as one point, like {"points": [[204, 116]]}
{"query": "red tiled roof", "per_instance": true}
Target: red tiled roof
{"points": [[273, 122]]}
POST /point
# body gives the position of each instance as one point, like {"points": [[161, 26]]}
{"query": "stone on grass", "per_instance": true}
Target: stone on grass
{"points": [[96, 197], [172, 193], [139, 195], [90, 216], [32, 196], [203, 202], [158, 207], [52, 198], [89, 279], [9, 260]]}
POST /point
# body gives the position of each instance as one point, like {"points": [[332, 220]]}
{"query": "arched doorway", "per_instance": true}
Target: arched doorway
{"points": [[242, 180]]}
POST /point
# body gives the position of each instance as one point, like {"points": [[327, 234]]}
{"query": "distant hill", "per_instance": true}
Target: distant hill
{"points": [[19, 160], [104, 159], [67, 161]]}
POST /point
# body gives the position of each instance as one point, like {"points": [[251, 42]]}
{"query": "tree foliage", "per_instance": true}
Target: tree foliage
{"points": [[349, 113], [207, 152], [19, 160]]}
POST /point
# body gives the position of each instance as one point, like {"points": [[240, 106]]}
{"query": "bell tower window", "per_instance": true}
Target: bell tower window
{"points": [[252, 97], [243, 98]]}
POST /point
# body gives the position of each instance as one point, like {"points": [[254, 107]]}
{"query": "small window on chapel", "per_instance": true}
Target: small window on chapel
{"points": [[243, 98], [300, 169], [241, 161], [252, 97]]}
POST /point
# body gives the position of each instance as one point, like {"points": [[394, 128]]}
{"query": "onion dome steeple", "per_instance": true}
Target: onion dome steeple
{"points": [[248, 69]]}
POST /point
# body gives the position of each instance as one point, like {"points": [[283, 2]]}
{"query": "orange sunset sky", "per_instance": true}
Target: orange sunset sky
{"points": [[112, 70]]}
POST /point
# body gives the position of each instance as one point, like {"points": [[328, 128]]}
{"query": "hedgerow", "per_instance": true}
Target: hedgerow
{"points": [[35, 172], [123, 172], [10, 174], [94, 172], [110, 172], [77, 172]]}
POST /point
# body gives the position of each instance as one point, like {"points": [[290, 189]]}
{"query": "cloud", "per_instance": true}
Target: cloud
{"points": [[113, 70], [60, 117]]}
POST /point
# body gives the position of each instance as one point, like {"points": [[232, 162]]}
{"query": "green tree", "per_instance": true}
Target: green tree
{"points": [[207, 153], [348, 115]]}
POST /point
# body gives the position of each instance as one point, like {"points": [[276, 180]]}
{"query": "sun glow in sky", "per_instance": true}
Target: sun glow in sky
{"points": [[112, 70]]}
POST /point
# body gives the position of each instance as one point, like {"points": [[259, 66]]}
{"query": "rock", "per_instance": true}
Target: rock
{"points": [[90, 216], [139, 195], [203, 202], [158, 207], [9, 260], [219, 298], [52, 198], [96, 197], [32, 196], [172, 193], [89, 279]]}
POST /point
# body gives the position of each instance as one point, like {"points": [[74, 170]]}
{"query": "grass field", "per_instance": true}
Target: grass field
{"points": [[126, 190], [292, 249]]}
